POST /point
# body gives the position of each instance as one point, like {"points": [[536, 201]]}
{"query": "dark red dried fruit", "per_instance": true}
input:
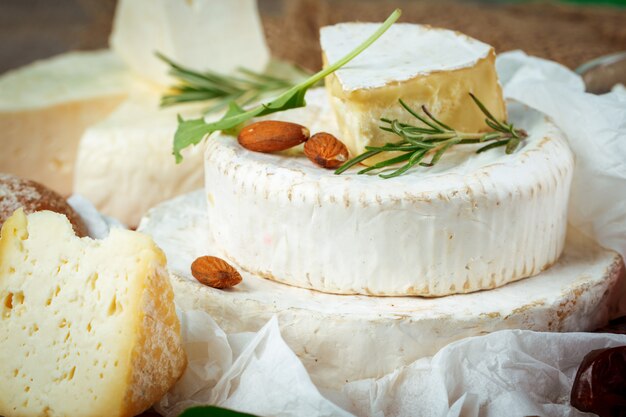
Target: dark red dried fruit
{"points": [[600, 383]]}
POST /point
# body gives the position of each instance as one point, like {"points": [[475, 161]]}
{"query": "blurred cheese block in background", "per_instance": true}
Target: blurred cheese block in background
{"points": [[217, 35], [87, 327], [124, 163], [45, 108], [416, 63]]}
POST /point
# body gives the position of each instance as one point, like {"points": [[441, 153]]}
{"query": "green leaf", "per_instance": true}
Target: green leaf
{"points": [[482, 108], [420, 118], [437, 156], [186, 134], [511, 146], [191, 132], [386, 163], [212, 411], [493, 145], [434, 119], [355, 161], [413, 160]]}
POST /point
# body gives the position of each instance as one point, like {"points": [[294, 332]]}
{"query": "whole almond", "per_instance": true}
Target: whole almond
{"points": [[215, 272], [326, 150], [272, 136]]}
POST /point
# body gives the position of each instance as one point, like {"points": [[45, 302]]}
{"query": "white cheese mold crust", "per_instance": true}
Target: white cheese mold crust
{"points": [[472, 222], [343, 338], [403, 52], [124, 163]]}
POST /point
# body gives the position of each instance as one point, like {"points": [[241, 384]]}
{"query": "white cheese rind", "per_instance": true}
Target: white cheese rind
{"points": [[45, 108], [335, 336], [474, 221], [87, 327], [403, 52], [124, 163], [217, 35]]}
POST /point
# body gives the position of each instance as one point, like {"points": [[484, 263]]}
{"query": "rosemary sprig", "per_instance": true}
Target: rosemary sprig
{"points": [[425, 145], [243, 88], [191, 132]]}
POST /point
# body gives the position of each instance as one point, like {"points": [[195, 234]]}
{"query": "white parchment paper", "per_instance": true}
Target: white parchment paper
{"points": [[507, 373], [98, 225], [595, 126]]}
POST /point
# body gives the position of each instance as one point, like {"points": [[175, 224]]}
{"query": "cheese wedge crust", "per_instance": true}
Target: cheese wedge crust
{"points": [[87, 327]]}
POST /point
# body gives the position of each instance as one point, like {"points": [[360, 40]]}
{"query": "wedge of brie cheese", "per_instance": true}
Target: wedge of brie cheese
{"points": [[45, 108], [416, 63], [124, 163], [87, 327], [351, 337], [217, 35], [472, 222]]}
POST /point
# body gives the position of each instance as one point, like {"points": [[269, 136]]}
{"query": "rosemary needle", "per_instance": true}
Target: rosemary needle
{"points": [[426, 145], [244, 87]]}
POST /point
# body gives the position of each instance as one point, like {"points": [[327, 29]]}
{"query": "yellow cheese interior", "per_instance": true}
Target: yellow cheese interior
{"points": [[444, 93], [87, 327]]}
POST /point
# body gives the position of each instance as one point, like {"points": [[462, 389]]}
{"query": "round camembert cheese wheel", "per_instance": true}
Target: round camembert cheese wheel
{"points": [[472, 222], [342, 338]]}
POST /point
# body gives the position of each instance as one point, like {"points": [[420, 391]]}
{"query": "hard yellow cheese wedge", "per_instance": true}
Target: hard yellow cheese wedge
{"points": [[87, 327]]}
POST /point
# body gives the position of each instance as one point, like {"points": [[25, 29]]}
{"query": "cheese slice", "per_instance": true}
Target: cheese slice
{"points": [[87, 327], [472, 222], [124, 163], [46, 106], [217, 35], [350, 337], [416, 63]]}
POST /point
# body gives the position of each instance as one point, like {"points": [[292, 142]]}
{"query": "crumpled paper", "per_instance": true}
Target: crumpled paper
{"points": [[595, 126], [250, 372], [98, 225], [513, 373], [507, 373]]}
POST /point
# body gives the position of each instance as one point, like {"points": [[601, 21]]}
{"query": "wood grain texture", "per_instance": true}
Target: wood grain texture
{"points": [[565, 33]]}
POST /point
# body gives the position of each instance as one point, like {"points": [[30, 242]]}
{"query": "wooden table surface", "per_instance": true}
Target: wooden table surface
{"points": [[572, 35]]}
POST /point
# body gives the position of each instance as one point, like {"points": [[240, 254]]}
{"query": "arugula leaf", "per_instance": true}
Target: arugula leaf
{"points": [[212, 411], [191, 132]]}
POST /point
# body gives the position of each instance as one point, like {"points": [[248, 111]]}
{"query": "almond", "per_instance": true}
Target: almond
{"points": [[272, 136], [215, 272], [326, 150]]}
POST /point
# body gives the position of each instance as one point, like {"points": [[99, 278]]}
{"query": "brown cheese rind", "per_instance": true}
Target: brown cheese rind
{"points": [[16, 192]]}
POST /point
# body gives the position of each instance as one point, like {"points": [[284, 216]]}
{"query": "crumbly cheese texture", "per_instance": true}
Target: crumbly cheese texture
{"points": [[124, 163], [581, 292], [217, 35], [416, 63], [472, 222], [46, 106], [87, 327]]}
